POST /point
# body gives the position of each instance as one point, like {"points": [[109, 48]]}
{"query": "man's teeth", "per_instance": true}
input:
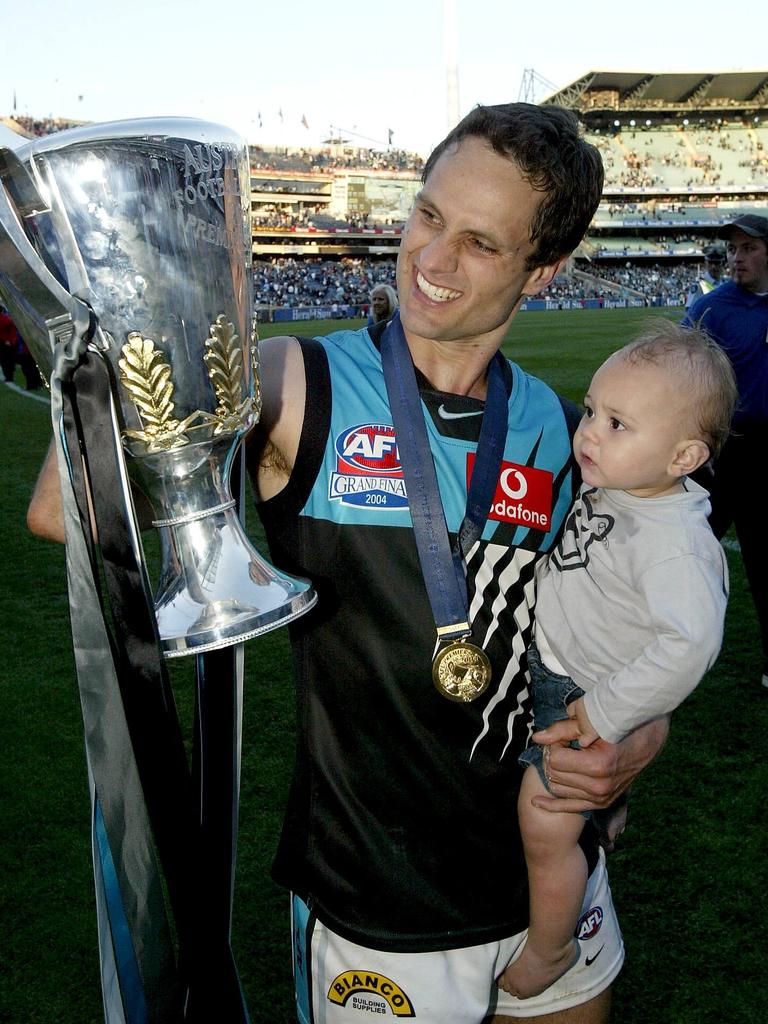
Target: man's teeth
{"points": [[436, 294]]}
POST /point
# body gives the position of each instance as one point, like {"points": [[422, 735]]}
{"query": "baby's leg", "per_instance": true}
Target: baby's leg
{"points": [[557, 877]]}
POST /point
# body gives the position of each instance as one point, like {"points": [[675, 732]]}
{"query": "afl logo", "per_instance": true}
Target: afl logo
{"points": [[368, 474], [369, 448], [513, 483], [589, 923]]}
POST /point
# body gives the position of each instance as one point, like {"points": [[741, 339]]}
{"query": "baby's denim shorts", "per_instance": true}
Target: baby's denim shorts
{"points": [[552, 693]]}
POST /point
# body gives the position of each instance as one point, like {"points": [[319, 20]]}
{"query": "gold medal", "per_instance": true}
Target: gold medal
{"points": [[461, 671]]}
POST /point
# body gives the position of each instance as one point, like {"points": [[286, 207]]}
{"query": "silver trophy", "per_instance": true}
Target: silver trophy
{"points": [[146, 225]]}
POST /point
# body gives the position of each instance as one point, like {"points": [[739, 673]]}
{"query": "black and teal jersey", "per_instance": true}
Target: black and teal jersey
{"points": [[401, 829]]}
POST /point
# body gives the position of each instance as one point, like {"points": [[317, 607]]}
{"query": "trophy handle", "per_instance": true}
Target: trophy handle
{"points": [[15, 177], [47, 311]]}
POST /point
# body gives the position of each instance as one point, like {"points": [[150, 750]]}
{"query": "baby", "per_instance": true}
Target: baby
{"points": [[630, 605]]}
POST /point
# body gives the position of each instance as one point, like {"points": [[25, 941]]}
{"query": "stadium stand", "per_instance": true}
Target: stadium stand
{"points": [[32, 127], [339, 287], [684, 154]]}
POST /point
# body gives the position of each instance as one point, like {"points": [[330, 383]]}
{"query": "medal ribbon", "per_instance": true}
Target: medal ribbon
{"points": [[441, 565]]}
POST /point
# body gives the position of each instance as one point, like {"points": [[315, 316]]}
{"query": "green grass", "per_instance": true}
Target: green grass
{"points": [[689, 876]]}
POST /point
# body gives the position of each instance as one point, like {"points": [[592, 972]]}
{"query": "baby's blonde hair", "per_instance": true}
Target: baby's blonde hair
{"points": [[701, 363]]}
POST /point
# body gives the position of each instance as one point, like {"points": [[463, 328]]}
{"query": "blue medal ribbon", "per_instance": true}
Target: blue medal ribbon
{"points": [[442, 565]]}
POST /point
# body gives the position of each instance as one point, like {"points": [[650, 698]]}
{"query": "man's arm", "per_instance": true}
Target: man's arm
{"points": [[45, 516], [582, 780], [274, 443]]}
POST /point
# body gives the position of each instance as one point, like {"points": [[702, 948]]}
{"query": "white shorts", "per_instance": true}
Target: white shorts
{"points": [[339, 982]]}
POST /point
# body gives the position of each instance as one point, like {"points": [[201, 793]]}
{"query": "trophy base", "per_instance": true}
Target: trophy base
{"points": [[216, 590], [224, 623]]}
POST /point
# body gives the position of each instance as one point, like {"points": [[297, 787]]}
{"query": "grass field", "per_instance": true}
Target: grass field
{"points": [[689, 876]]}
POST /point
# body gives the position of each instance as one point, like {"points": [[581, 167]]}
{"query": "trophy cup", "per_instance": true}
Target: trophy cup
{"points": [[145, 226], [125, 264]]}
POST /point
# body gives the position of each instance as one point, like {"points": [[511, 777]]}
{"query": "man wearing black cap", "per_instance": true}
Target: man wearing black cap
{"points": [[736, 315], [712, 275]]}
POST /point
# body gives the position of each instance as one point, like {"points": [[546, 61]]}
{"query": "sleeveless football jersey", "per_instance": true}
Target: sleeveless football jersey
{"points": [[401, 829]]}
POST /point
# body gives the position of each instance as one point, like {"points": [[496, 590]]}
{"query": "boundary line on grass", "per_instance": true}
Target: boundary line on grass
{"points": [[27, 394]]}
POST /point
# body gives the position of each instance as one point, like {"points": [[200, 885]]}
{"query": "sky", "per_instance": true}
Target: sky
{"points": [[297, 72]]}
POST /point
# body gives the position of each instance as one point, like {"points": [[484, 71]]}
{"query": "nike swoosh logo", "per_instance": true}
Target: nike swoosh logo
{"points": [[443, 413], [591, 959]]}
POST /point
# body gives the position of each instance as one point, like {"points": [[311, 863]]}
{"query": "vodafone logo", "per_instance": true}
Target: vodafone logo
{"points": [[523, 495], [513, 483]]}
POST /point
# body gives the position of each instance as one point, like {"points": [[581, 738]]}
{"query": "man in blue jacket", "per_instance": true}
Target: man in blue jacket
{"points": [[736, 315]]}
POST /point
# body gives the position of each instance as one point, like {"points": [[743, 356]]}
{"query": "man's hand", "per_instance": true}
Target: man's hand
{"points": [[582, 780], [576, 726]]}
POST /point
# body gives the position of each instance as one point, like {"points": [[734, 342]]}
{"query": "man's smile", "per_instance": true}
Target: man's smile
{"points": [[432, 291]]}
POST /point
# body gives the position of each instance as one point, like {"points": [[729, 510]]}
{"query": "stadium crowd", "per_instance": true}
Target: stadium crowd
{"points": [[347, 282], [311, 161], [284, 281], [310, 217], [638, 156], [687, 156], [656, 283], [40, 126], [643, 157], [660, 245]]}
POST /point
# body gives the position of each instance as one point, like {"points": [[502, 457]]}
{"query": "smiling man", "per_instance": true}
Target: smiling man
{"points": [[736, 315], [378, 453], [418, 478]]}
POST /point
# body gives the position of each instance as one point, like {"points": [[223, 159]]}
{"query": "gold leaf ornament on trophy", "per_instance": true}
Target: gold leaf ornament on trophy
{"points": [[146, 376], [224, 359]]}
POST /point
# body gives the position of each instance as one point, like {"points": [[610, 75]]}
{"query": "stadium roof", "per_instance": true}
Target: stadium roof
{"points": [[686, 88]]}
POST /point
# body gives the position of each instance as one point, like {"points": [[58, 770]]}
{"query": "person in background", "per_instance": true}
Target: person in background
{"points": [[383, 303], [736, 315], [32, 379], [712, 275], [9, 345]]}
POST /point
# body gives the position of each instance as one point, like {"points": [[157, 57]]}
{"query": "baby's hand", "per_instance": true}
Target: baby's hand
{"points": [[576, 727], [533, 972]]}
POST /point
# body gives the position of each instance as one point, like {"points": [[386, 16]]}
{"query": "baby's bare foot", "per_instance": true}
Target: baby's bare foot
{"points": [[531, 973]]}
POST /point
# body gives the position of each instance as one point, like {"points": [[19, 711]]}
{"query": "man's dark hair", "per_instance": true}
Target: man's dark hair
{"points": [[546, 145]]}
